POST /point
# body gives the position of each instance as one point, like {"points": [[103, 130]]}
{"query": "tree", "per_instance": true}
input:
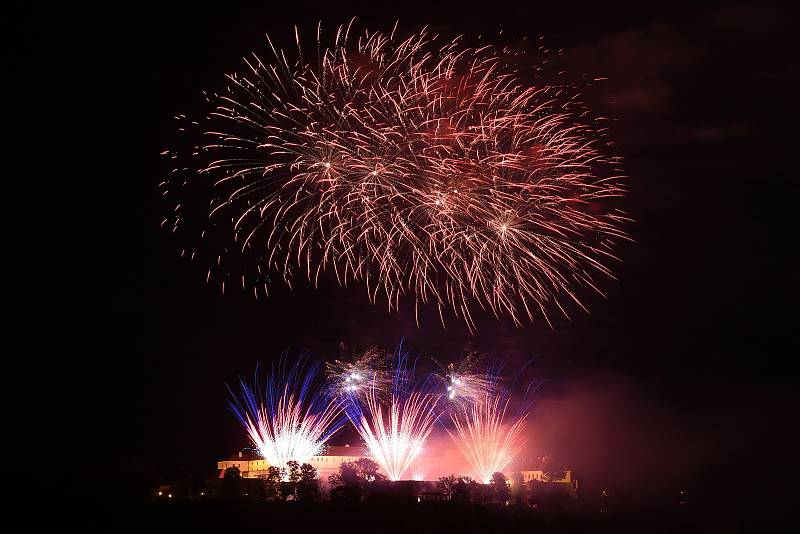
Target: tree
{"points": [[347, 476], [272, 483], [308, 484], [345, 485], [231, 482], [292, 471], [446, 485], [499, 489], [292, 477], [368, 471], [478, 493], [518, 489], [455, 487], [531, 493], [461, 489], [232, 473], [354, 479]]}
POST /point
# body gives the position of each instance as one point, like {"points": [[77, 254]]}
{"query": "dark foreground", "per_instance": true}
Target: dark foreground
{"points": [[217, 516]]}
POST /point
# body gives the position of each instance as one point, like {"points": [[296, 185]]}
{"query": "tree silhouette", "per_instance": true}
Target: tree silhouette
{"points": [[231, 482], [478, 493], [292, 476], [518, 491], [232, 473], [354, 479], [446, 485], [499, 489], [272, 483], [368, 471], [308, 484], [461, 489], [455, 487], [292, 471]]}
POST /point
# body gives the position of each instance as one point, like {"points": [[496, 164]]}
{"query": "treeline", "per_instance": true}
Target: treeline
{"points": [[296, 482]]}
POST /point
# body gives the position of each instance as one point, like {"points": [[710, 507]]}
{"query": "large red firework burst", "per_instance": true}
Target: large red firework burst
{"points": [[417, 167]]}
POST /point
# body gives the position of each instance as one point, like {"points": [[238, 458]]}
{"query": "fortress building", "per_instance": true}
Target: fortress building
{"points": [[428, 465], [326, 464]]}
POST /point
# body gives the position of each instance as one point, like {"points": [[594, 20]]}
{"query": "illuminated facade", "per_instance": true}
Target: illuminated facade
{"points": [[424, 467], [535, 484], [254, 466], [538, 476]]}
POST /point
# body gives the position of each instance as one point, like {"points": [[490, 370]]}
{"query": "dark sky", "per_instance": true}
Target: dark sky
{"points": [[679, 376]]}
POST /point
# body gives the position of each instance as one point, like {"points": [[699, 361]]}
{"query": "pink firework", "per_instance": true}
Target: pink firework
{"points": [[488, 439], [395, 428], [416, 167]]}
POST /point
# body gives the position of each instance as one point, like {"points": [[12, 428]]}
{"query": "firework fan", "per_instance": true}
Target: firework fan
{"points": [[487, 438], [419, 167], [486, 430], [395, 428], [288, 418]]}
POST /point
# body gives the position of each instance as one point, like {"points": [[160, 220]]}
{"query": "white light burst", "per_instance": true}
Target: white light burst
{"points": [[291, 419]]}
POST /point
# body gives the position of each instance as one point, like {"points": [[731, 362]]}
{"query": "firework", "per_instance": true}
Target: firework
{"points": [[486, 437], [368, 371], [465, 382], [420, 167], [287, 419], [395, 428]]}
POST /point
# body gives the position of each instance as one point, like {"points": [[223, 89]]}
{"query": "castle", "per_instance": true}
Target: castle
{"points": [[425, 467]]}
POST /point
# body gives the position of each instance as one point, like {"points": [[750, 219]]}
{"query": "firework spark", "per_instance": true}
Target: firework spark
{"points": [[416, 167], [486, 437], [290, 419], [464, 383], [368, 371], [395, 428]]}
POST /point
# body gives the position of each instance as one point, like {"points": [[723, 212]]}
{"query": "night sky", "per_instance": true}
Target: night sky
{"points": [[676, 379]]}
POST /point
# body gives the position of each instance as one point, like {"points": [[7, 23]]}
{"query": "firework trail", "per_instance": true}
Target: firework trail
{"points": [[419, 167], [288, 418], [395, 428]]}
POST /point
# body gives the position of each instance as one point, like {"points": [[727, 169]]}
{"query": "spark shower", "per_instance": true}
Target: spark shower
{"points": [[417, 166]]}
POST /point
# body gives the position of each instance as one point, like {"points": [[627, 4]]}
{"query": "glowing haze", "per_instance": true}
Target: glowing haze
{"points": [[289, 418], [416, 166]]}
